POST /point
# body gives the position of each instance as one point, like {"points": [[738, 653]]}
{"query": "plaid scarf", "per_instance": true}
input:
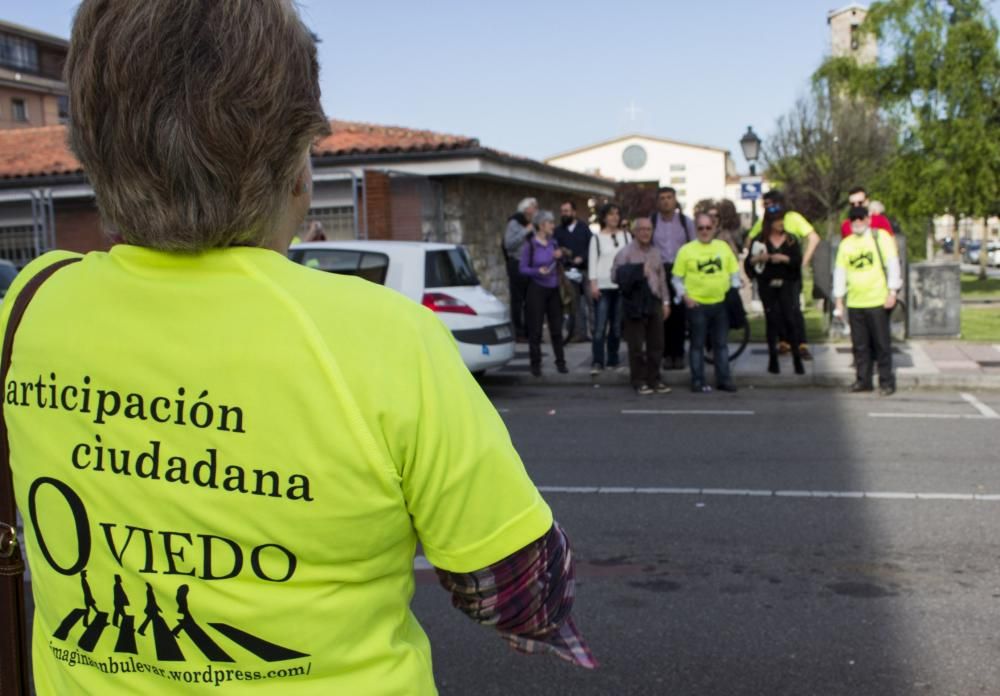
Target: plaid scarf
{"points": [[527, 597]]}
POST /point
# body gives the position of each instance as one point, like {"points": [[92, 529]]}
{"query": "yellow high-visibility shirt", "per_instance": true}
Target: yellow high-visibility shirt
{"points": [[225, 462]]}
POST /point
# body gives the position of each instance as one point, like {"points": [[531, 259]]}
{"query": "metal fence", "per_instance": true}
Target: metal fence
{"points": [[21, 243]]}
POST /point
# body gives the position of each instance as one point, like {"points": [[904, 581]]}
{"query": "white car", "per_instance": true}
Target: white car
{"points": [[438, 276]]}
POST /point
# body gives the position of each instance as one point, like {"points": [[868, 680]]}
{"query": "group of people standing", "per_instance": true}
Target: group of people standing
{"points": [[669, 281], [633, 283]]}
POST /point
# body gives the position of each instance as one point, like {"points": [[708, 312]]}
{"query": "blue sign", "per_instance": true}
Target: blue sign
{"points": [[750, 191]]}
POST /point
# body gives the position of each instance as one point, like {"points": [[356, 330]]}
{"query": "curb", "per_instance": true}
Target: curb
{"points": [[680, 378]]}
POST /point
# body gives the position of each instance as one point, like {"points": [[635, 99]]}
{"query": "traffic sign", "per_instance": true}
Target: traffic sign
{"points": [[750, 188]]}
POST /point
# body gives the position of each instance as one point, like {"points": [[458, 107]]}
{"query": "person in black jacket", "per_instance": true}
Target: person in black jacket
{"points": [[574, 234], [775, 261], [638, 271]]}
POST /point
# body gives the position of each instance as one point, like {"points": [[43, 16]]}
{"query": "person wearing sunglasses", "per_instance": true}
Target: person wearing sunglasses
{"points": [[858, 198], [866, 278], [796, 225], [703, 272]]}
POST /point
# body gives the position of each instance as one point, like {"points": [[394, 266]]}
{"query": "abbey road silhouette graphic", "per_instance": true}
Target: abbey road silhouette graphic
{"points": [[167, 641]]}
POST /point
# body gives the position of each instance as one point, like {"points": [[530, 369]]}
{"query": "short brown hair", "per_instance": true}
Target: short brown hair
{"points": [[191, 117]]}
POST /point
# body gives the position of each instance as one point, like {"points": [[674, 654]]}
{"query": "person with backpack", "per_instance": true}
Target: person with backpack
{"points": [[671, 230], [867, 273], [638, 271], [519, 229], [540, 259], [604, 247]]}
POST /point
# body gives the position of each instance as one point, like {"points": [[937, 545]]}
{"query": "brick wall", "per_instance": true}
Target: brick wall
{"points": [[476, 213], [378, 205], [79, 227]]}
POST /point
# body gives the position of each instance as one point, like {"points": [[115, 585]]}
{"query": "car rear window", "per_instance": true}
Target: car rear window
{"points": [[364, 264], [449, 268], [7, 274]]}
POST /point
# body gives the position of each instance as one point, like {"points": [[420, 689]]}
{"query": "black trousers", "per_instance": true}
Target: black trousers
{"points": [[675, 326], [870, 329], [518, 296], [800, 320], [542, 304], [781, 305], [643, 337]]}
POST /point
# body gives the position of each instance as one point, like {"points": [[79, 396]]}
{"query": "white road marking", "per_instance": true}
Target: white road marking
{"points": [[683, 412], [764, 493], [938, 416], [980, 406]]}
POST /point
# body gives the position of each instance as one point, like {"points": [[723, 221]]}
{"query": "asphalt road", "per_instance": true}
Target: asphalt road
{"points": [[716, 554]]}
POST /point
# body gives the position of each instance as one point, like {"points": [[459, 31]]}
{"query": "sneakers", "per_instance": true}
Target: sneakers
{"points": [[861, 387], [784, 347], [728, 387], [596, 369], [701, 389], [643, 390], [662, 388], [887, 390], [536, 370], [804, 352], [562, 369]]}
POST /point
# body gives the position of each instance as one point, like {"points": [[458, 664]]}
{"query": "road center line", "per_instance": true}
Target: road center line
{"points": [[684, 412], [980, 406], [939, 416], [763, 493]]}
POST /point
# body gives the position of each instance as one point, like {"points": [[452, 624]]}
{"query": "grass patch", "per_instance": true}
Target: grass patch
{"points": [[981, 324], [816, 329], [973, 287]]}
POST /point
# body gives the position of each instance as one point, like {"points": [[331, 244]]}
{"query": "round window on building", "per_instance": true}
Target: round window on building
{"points": [[634, 157]]}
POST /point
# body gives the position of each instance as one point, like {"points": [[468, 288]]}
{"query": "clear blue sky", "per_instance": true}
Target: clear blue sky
{"points": [[538, 78]]}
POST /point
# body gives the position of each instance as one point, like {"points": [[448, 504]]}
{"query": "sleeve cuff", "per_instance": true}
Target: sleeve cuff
{"points": [[529, 526]]}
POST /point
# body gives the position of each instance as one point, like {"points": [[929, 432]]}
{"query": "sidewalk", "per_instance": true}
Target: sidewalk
{"points": [[924, 364]]}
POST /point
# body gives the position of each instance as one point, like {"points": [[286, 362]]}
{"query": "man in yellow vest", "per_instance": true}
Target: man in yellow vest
{"points": [[703, 272], [867, 273]]}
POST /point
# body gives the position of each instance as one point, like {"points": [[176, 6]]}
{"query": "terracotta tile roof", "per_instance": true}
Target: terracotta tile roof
{"points": [[351, 138], [37, 152], [33, 152]]}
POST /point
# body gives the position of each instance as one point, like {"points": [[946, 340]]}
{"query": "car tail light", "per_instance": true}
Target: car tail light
{"points": [[440, 302]]}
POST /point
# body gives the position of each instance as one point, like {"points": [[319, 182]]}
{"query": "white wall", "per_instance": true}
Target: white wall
{"points": [[704, 171]]}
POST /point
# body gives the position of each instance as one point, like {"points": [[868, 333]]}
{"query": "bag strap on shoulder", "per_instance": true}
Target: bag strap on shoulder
{"points": [[15, 653]]}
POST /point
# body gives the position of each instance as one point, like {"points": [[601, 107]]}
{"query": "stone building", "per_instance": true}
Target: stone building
{"points": [[32, 91], [370, 182], [846, 38]]}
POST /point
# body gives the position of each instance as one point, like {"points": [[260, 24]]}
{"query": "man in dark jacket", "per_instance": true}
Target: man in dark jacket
{"points": [[519, 229], [574, 234]]}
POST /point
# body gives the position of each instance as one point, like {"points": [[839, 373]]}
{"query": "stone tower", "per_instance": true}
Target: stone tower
{"points": [[845, 35]]}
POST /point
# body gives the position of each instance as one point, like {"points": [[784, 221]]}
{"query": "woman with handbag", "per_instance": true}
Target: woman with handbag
{"points": [[540, 259], [775, 261], [606, 296]]}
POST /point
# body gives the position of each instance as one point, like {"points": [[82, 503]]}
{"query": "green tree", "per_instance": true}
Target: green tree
{"points": [[939, 75], [826, 144]]}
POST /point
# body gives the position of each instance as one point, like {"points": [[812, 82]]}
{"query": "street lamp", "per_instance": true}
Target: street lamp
{"points": [[750, 143]]}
